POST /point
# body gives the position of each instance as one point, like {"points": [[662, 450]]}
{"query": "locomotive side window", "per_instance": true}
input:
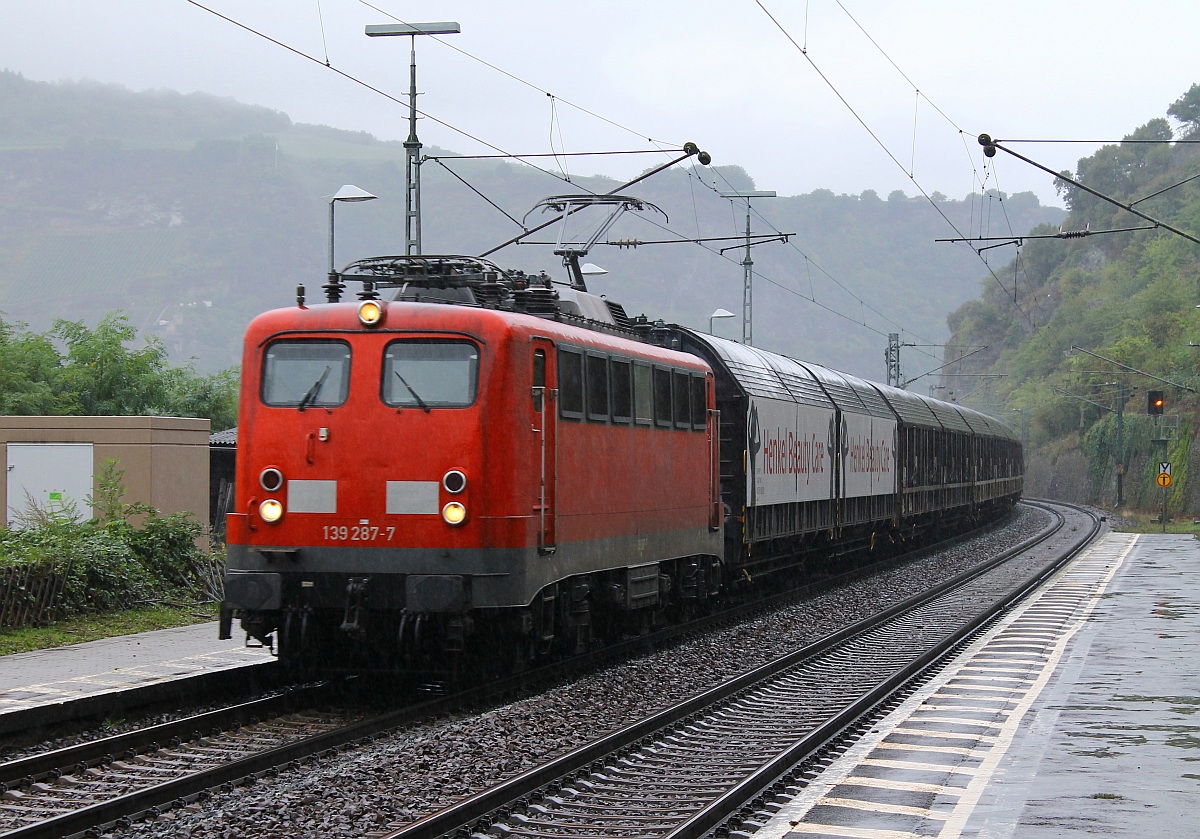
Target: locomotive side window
{"points": [[683, 399], [662, 396], [430, 374], [597, 387], [303, 374], [643, 406], [539, 380], [539, 368], [699, 404], [620, 390], [570, 384]]}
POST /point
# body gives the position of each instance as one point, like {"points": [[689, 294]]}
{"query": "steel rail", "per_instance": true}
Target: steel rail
{"points": [[721, 809], [93, 752], [124, 809], [464, 814]]}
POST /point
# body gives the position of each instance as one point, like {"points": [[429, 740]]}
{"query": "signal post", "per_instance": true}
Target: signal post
{"points": [[1155, 404]]}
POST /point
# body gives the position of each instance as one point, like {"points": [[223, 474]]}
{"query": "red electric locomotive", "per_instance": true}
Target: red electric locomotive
{"points": [[412, 474]]}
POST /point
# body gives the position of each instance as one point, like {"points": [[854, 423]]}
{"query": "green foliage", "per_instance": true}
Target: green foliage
{"points": [[1128, 296], [27, 365], [99, 374], [108, 503], [165, 546], [63, 567], [92, 627], [1186, 108], [102, 375]]}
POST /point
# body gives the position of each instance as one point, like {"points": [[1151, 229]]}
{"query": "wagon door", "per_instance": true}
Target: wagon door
{"points": [[544, 423]]}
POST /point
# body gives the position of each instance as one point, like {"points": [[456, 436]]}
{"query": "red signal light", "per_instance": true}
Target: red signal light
{"points": [[1155, 403]]}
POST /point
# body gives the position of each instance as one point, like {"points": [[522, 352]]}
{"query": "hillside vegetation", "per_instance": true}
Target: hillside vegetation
{"points": [[1130, 297], [190, 214]]}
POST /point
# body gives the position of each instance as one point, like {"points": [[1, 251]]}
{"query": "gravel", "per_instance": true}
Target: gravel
{"points": [[414, 772]]}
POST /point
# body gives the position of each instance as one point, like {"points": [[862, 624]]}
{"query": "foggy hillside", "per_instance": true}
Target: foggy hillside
{"points": [[192, 213]]}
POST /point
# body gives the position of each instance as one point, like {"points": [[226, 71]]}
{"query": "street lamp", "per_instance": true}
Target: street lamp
{"points": [[719, 314], [349, 192], [748, 264], [412, 146]]}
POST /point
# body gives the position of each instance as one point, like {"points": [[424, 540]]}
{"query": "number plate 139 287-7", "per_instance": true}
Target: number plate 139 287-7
{"points": [[358, 533]]}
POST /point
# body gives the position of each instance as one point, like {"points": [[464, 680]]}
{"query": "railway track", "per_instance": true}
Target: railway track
{"points": [[69, 790], [722, 755], [118, 780]]}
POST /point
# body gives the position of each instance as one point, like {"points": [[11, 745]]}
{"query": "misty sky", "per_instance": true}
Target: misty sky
{"points": [[620, 73]]}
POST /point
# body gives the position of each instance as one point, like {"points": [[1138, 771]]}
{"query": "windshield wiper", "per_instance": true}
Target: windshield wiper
{"points": [[415, 395], [315, 389]]}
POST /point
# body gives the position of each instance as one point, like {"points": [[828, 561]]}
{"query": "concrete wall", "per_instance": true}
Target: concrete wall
{"points": [[165, 458]]}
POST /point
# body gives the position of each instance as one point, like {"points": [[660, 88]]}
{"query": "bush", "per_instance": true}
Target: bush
{"points": [[59, 567]]}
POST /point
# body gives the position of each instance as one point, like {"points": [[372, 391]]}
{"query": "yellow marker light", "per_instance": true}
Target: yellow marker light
{"points": [[370, 313], [454, 513], [270, 510]]}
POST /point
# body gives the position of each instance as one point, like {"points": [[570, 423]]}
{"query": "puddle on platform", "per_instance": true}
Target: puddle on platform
{"points": [[1101, 753]]}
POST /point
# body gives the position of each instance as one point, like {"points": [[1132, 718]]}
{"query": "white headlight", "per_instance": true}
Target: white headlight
{"points": [[454, 513], [270, 510], [370, 313]]}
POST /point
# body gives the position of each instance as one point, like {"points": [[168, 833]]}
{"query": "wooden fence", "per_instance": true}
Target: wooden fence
{"points": [[29, 592]]}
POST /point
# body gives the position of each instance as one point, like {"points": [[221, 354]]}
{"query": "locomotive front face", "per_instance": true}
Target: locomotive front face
{"points": [[353, 453], [367, 481]]}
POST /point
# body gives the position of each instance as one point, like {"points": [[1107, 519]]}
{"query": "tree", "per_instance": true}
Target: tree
{"points": [[103, 376], [1186, 109], [28, 364], [99, 375]]}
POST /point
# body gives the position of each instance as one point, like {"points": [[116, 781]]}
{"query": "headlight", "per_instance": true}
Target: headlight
{"points": [[454, 482], [370, 313], [454, 513], [270, 510], [271, 479]]}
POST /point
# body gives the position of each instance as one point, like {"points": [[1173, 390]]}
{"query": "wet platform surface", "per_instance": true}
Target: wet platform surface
{"points": [[93, 670], [1078, 715]]}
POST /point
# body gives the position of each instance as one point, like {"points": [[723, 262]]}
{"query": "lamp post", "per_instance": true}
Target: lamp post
{"points": [[349, 192], [412, 146], [748, 265], [719, 314]]}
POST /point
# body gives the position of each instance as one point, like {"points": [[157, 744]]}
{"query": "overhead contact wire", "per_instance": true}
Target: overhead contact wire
{"points": [[820, 73], [502, 153]]}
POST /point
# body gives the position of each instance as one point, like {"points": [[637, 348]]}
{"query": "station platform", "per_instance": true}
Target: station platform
{"points": [[37, 686], [1075, 716]]}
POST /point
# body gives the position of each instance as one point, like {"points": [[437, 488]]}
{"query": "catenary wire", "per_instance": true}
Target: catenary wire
{"points": [[878, 141], [328, 65]]}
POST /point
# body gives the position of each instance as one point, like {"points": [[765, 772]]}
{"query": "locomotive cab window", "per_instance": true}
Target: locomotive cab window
{"points": [[306, 374], [430, 374]]}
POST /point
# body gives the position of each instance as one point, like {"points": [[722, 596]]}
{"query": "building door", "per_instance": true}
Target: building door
{"points": [[55, 478]]}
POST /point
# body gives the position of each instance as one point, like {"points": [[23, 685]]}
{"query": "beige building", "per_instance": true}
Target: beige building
{"points": [[54, 462]]}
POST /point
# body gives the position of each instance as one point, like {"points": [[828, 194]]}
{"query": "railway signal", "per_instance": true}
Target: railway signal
{"points": [[1155, 402]]}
